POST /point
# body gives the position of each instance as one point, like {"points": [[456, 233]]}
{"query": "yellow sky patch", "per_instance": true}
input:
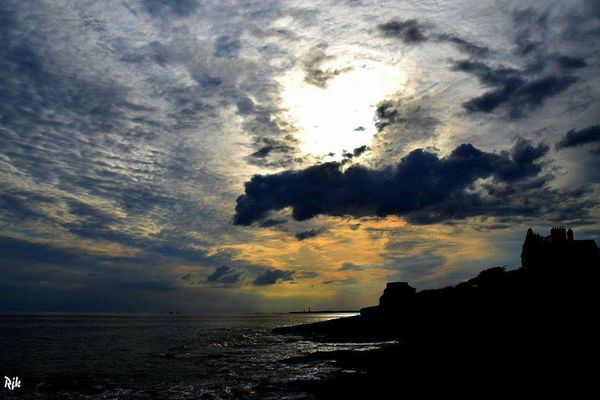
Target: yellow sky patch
{"points": [[370, 244]]}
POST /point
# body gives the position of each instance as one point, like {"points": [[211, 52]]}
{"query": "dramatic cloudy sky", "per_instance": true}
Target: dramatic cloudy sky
{"points": [[215, 156]]}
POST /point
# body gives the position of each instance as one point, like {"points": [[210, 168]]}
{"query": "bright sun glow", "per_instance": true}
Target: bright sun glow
{"points": [[340, 116]]}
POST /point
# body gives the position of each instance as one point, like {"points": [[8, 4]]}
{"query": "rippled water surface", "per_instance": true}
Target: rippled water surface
{"points": [[116, 356]]}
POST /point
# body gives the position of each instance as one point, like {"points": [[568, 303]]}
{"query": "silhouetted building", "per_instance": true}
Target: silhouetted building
{"points": [[557, 251]]}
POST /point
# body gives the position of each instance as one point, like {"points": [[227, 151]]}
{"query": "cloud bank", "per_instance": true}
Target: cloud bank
{"points": [[443, 187]]}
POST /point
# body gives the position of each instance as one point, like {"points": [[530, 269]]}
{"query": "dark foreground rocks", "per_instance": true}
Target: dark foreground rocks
{"points": [[507, 347], [450, 370], [501, 335]]}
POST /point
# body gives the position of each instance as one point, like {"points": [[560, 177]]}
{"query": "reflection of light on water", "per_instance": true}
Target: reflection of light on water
{"points": [[180, 357], [340, 116], [326, 316], [363, 346]]}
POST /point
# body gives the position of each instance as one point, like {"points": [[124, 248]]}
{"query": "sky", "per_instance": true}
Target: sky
{"points": [[254, 156]]}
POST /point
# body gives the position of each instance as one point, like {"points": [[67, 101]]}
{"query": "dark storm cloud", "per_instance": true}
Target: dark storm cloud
{"points": [[272, 276], [225, 276], [512, 89], [524, 156], [574, 138], [409, 31], [421, 181], [308, 234]]}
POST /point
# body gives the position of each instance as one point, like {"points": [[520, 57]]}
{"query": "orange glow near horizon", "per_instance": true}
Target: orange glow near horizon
{"points": [[368, 244]]}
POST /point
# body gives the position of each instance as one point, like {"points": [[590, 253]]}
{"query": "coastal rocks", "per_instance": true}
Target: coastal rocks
{"points": [[397, 297], [396, 294], [491, 306], [524, 333]]}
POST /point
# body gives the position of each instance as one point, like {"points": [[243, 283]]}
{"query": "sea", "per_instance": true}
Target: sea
{"points": [[160, 356]]}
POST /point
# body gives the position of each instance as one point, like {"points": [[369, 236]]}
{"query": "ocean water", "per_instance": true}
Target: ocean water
{"points": [[143, 356]]}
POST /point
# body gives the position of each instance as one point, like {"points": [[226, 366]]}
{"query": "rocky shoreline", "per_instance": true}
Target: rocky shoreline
{"points": [[524, 333]]}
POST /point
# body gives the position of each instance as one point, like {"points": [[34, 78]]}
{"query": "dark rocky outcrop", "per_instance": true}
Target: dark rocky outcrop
{"points": [[495, 302], [524, 333]]}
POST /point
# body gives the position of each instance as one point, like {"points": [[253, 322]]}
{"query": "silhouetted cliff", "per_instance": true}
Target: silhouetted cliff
{"points": [[525, 333], [556, 285]]}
